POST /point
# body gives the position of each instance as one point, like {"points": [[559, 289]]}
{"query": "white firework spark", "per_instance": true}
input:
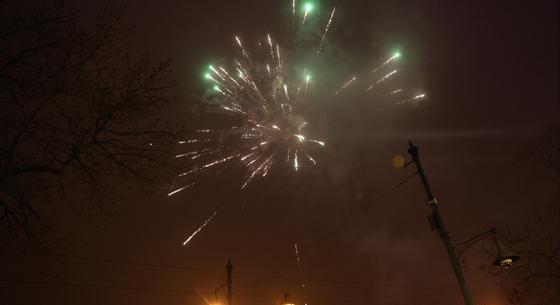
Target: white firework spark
{"points": [[299, 263], [181, 189], [199, 229], [326, 31]]}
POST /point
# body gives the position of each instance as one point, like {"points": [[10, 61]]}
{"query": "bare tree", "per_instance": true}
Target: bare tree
{"points": [[78, 116], [535, 278], [543, 154]]}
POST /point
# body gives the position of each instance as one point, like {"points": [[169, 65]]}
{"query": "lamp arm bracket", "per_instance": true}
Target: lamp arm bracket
{"points": [[466, 244]]}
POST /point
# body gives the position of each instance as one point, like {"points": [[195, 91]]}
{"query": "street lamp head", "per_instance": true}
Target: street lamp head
{"points": [[504, 258], [398, 161]]}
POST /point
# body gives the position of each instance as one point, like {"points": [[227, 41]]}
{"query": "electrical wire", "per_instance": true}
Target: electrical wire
{"points": [[261, 275], [193, 292]]}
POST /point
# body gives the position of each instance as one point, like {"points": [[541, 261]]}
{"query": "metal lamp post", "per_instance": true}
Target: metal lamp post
{"points": [[228, 283], [503, 258], [437, 224]]}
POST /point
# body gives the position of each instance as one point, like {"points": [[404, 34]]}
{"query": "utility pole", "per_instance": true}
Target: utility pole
{"points": [[229, 268], [286, 297], [437, 224]]}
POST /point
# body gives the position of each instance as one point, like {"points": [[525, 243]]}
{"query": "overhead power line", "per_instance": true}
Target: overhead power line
{"points": [[262, 275], [192, 292]]}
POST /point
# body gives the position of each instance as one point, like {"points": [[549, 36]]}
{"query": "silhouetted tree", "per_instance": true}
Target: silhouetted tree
{"points": [[535, 278], [543, 154], [78, 116]]}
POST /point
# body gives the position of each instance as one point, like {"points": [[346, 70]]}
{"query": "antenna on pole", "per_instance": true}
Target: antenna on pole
{"points": [[229, 268]]}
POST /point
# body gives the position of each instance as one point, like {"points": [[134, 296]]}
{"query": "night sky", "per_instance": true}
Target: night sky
{"points": [[490, 69]]}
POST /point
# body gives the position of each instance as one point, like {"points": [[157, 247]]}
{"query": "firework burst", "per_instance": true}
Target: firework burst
{"points": [[265, 89]]}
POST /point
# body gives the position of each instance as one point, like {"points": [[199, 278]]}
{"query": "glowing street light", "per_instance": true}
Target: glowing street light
{"points": [[504, 258]]}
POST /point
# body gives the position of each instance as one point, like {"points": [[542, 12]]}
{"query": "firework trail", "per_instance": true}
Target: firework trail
{"points": [[417, 98], [346, 84], [326, 31], [181, 189], [307, 9], [395, 56], [265, 91], [299, 262], [199, 229], [382, 79], [297, 254], [293, 12]]}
